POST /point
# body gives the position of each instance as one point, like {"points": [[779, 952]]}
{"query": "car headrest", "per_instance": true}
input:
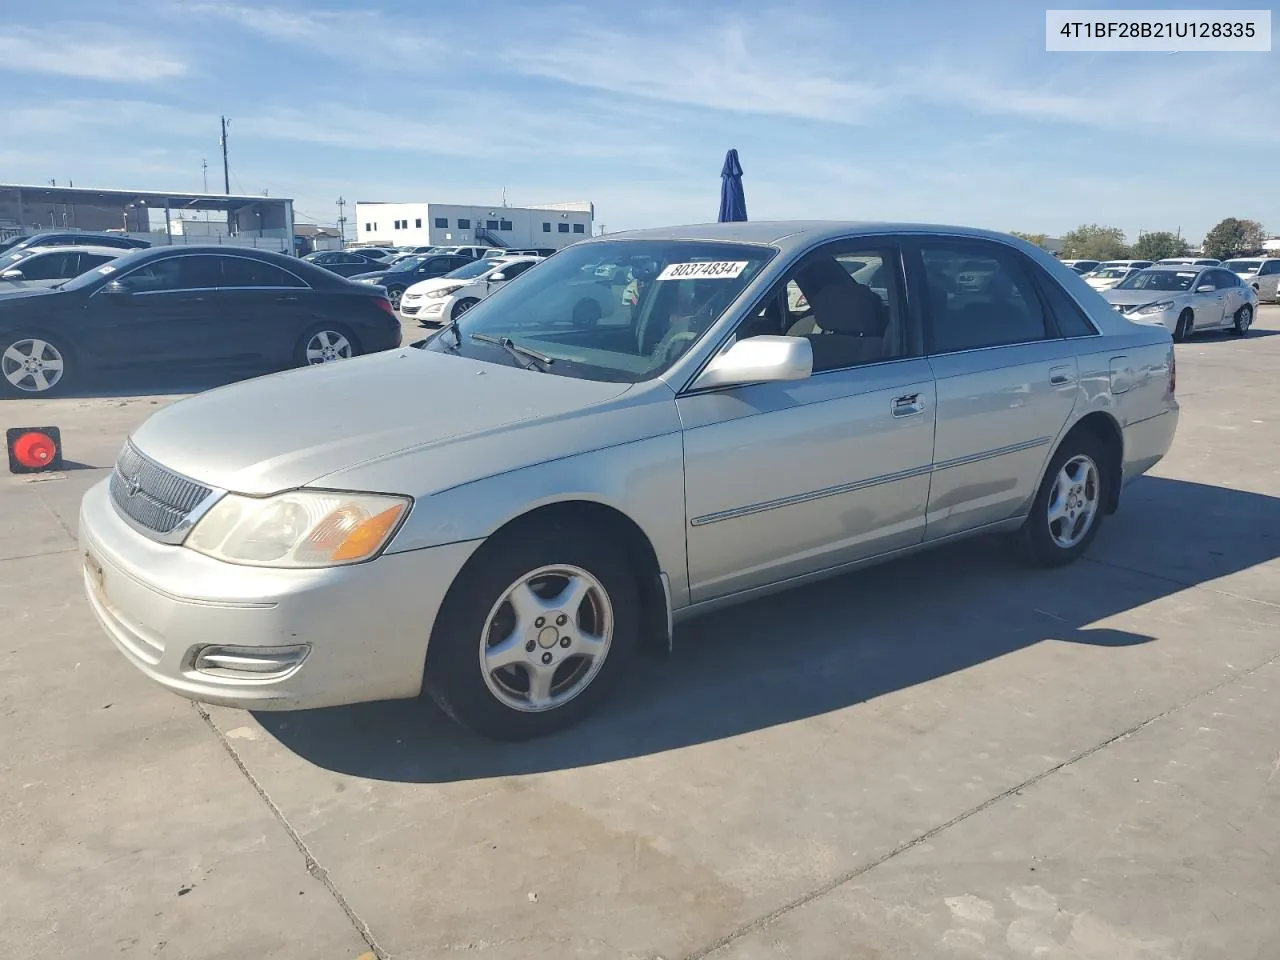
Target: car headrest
{"points": [[849, 308]]}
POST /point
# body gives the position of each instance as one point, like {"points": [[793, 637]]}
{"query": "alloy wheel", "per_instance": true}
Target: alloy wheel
{"points": [[1073, 501], [32, 365], [326, 346], [546, 638]]}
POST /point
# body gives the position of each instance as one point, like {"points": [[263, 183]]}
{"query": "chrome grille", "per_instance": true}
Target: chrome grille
{"points": [[150, 495]]}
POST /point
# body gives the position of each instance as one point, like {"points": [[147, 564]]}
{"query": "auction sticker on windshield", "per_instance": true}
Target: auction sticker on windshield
{"points": [[707, 270]]}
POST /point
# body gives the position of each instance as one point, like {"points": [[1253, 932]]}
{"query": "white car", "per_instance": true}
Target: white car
{"points": [[426, 301], [1104, 278]]}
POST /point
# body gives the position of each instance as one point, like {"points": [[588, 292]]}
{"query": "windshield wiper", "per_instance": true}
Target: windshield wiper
{"points": [[516, 350]]}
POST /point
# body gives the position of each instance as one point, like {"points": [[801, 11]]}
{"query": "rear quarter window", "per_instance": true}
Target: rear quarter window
{"points": [[1069, 318]]}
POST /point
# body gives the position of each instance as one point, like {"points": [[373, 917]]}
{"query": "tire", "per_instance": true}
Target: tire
{"points": [[393, 295], [1183, 328], [1045, 542], [1243, 321], [462, 306], [35, 365], [496, 702], [325, 343]]}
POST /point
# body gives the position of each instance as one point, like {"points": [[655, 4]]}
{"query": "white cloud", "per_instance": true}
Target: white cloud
{"points": [[89, 51]]}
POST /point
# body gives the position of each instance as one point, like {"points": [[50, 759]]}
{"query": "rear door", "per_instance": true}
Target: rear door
{"points": [[261, 308], [1006, 382]]}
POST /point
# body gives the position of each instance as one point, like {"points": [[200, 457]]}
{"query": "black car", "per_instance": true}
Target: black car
{"points": [[399, 277], [188, 306], [77, 238], [347, 263]]}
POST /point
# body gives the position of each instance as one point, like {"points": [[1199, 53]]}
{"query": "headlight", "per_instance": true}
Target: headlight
{"points": [[1159, 307], [302, 528], [372, 280], [445, 291]]}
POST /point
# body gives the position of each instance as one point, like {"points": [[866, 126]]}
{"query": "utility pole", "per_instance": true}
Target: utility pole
{"points": [[342, 221], [226, 170], [204, 172]]}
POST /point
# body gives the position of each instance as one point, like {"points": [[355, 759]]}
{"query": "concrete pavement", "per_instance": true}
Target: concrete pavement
{"points": [[948, 756]]}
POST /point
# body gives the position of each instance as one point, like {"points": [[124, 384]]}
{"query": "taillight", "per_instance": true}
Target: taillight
{"points": [[385, 304]]}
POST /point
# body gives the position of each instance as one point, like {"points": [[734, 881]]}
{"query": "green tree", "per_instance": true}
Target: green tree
{"points": [[1039, 239], [1233, 237], [1160, 244], [1091, 241]]}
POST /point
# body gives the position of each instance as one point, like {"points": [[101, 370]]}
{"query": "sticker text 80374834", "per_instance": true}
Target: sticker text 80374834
{"points": [[705, 270]]}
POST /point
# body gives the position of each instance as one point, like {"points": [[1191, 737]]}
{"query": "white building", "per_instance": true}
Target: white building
{"points": [[553, 225]]}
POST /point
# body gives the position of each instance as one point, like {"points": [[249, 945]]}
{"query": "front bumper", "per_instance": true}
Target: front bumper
{"points": [[424, 310], [1165, 318], [341, 635]]}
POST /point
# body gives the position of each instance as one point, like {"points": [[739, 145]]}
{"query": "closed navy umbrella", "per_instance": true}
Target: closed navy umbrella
{"points": [[733, 202]]}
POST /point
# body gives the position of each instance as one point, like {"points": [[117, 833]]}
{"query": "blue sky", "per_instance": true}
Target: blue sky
{"points": [[925, 111]]}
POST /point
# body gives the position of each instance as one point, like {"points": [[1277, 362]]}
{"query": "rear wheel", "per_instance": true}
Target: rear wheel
{"points": [[1183, 328], [33, 365], [533, 633], [1244, 320], [462, 306], [325, 343], [1068, 507]]}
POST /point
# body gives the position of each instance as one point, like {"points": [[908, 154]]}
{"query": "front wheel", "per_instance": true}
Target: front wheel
{"points": [[533, 633], [462, 306], [1244, 320], [394, 294], [33, 365], [324, 343], [1183, 328], [1067, 510]]}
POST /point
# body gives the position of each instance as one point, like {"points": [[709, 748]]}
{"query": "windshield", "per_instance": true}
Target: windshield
{"points": [[408, 263], [1160, 280], [92, 277], [1243, 266], [1111, 273], [476, 268], [621, 310]]}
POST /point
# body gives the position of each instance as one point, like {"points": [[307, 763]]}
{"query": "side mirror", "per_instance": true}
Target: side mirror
{"points": [[1206, 288], [497, 277], [11, 275], [116, 289], [758, 360]]}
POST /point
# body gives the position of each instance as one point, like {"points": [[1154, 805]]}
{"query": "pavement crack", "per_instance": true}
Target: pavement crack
{"points": [[932, 832], [313, 866]]}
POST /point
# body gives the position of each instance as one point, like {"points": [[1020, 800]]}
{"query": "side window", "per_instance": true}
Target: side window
{"points": [[978, 295], [90, 260], [50, 266], [1070, 319], [847, 305], [243, 272], [515, 269], [174, 273], [1268, 268]]}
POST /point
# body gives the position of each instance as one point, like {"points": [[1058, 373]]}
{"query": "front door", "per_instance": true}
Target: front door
{"points": [[783, 479], [1210, 306], [164, 315], [1006, 384]]}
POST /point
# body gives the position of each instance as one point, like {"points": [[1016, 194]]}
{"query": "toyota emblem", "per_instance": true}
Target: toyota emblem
{"points": [[132, 486]]}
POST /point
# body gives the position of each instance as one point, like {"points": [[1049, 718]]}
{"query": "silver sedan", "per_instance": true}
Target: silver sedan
{"points": [[311, 538], [1187, 299]]}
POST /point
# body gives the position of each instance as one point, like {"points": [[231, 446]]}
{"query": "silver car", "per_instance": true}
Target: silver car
{"points": [[1265, 280], [575, 488], [49, 266], [1187, 299]]}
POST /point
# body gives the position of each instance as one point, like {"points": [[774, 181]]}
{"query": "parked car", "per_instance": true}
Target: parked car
{"points": [[398, 278], [1186, 299], [49, 266], [1266, 281], [1243, 268], [584, 487], [1104, 278], [348, 263], [187, 306], [474, 252], [1188, 262], [1081, 266], [426, 300], [1135, 264], [76, 238]]}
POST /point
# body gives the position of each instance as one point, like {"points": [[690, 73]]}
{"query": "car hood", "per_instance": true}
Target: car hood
{"points": [[376, 275], [290, 429], [1134, 298], [11, 291], [436, 283]]}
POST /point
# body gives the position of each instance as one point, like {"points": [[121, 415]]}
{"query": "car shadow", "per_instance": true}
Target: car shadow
{"points": [[1226, 336], [829, 645]]}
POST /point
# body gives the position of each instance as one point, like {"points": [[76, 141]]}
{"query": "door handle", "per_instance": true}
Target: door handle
{"points": [[286, 299], [1060, 375], [907, 406]]}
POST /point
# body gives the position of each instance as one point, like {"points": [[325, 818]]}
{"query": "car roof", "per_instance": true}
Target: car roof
{"points": [[793, 235], [1180, 266], [78, 248]]}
